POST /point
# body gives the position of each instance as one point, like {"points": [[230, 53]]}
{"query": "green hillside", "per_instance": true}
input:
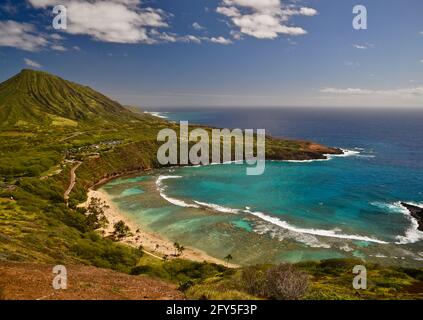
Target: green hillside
{"points": [[38, 98]]}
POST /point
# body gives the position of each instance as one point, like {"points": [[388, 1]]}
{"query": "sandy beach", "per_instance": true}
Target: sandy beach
{"points": [[152, 243]]}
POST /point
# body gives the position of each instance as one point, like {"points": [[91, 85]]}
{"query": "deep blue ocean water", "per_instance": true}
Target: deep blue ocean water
{"points": [[352, 200]]}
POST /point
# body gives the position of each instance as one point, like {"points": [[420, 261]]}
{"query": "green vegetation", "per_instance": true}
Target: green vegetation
{"points": [[120, 231], [325, 280], [38, 98], [95, 214], [47, 124], [178, 249]]}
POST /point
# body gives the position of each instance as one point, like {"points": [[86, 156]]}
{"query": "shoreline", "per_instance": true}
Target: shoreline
{"points": [[148, 240]]}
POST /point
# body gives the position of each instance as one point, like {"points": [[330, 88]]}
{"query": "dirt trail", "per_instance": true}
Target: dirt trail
{"points": [[72, 181]]}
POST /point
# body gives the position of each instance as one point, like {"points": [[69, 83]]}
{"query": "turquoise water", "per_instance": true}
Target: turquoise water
{"points": [[296, 211]]}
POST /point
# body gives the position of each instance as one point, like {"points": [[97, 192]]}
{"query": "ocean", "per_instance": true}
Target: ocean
{"points": [[347, 206]]}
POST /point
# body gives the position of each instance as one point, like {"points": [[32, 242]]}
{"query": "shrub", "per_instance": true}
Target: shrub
{"points": [[96, 218], [282, 282], [254, 280], [285, 282], [121, 230]]}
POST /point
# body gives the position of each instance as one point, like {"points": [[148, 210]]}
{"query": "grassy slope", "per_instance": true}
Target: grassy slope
{"points": [[38, 98], [35, 223]]}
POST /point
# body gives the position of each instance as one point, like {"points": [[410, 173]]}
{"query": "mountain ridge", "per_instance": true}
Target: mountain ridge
{"points": [[39, 98]]}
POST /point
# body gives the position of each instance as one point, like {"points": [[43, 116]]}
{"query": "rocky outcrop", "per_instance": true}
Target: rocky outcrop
{"points": [[415, 212]]}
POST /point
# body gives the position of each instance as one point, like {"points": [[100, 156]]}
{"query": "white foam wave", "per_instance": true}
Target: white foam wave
{"points": [[346, 153], [391, 207], [412, 234], [217, 207], [176, 202], [156, 114], [281, 234], [316, 232]]}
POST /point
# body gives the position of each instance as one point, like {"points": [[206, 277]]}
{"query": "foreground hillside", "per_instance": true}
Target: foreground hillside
{"points": [[57, 140], [33, 281]]}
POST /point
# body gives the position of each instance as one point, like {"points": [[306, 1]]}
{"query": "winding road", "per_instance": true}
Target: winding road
{"points": [[72, 181]]}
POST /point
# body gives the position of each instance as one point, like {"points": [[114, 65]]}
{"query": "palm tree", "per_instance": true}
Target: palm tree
{"points": [[177, 246], [180, 250], [228, 258]]}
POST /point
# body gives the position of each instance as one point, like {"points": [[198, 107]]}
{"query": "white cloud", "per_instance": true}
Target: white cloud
{"points": [[58, 47], [361, 47], [236, 35], [228, 11], [32, 63], [173, 37], [310, 12], [191, 38], [119, 21], [220, 40], [197, 26], [421, 60], [264, 19], [401, 92], [56, 36], [21, 35]]}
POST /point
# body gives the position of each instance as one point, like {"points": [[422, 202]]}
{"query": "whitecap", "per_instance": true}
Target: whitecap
{"points": [[345, 153], [157, 114], [176, 202], [317, 232], [276, 232], [391, 207], [217, 207], [412, 234]]}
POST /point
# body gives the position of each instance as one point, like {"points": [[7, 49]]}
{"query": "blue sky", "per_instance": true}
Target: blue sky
{"points": [[249, 53]]}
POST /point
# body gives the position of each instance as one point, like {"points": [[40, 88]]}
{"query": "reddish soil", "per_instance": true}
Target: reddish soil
{"points": [[31, 281]]}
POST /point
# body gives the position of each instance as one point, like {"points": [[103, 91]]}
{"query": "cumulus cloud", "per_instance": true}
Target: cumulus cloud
{"points": [[264, 19], [220, 40], [21, 35], [58, 47], [119, 21], [32, 63], [236, 35], [197, 26]]}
